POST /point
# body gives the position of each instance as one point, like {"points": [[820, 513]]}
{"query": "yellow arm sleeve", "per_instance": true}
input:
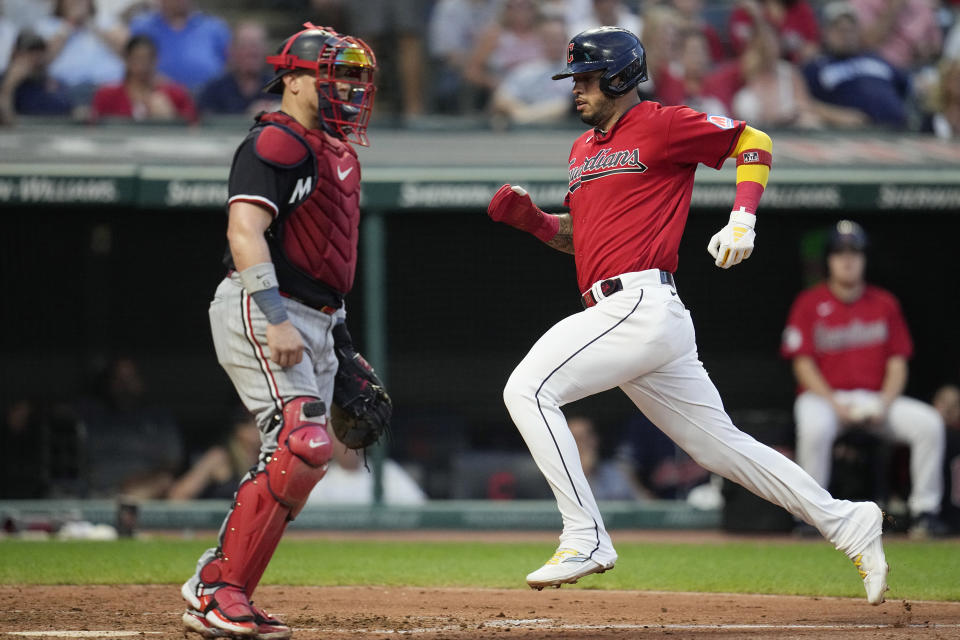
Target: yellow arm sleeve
{"points": [[753, 139]]}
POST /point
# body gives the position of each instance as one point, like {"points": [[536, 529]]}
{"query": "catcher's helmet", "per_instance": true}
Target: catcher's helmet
{"points": [[616, 51], [344, 67], [846, 235]]}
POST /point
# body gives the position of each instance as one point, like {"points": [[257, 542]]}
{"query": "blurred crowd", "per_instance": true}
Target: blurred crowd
{"points": [[120, 441], [802, 64]]}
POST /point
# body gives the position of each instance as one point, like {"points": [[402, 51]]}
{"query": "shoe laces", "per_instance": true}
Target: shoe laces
{"points": [[858, 563], [561, 555]]}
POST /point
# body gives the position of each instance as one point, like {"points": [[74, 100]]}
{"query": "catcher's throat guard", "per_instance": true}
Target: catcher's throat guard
{"points": [[271, 496], [344, 69]]}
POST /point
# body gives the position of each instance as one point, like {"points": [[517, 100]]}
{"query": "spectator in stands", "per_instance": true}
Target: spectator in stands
{"points": [[239, 90], [607, 478], [849, 345], [395, 30], [944, 101], [133, 449], [661, 39], [453, 31], [143, 95], [691, 80], [84, 48], [505, 43], [26, 13], [951, 41], [691, 17], [22, 475], [27, 88], [526, 94], [853, 86], [221, 468], [589, 14], [122, 11], [8, 36], [659, 467], [793, 20], [774, 92], [947, 402], [349, 481], [905, 33], [191, 46]]}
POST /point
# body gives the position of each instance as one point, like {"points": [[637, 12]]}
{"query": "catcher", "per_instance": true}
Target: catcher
{"points": [[278, 317]]}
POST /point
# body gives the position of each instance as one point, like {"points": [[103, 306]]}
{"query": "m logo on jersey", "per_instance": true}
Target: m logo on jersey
{"points": [[605, 163], [302, 189], [721, 122]]}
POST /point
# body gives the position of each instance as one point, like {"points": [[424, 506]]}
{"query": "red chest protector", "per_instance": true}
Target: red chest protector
{"points": [[318, 236]]}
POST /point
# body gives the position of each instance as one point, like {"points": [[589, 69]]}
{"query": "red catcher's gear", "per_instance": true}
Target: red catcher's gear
{"points": [[320, 236], [344, 68], [271, 497]]}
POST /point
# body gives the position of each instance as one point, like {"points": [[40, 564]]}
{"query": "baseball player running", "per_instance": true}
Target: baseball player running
{"points": [[293, 212], [631, 177]]}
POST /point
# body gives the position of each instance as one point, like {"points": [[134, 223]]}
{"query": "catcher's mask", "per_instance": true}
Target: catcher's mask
{"points": [[616, 52], [344, 67]]}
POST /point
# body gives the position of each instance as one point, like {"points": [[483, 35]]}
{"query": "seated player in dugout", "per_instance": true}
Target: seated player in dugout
{"points": [[630, 183], [278, 318], [849, 345]]}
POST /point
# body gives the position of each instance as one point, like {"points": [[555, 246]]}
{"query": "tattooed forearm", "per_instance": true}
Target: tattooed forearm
{"points": [[563, 241]]}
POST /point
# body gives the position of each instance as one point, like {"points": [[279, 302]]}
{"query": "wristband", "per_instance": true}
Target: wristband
{"points": [[743, 217], [547, 228], [271, 304], [748, 195], [258, 277], [260, 281]]}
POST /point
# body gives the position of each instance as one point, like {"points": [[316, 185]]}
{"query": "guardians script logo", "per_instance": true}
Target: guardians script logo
{"points": [[605, 163]]}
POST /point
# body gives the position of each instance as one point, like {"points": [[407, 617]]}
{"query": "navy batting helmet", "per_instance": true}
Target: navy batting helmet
{"points": [[846, 235], [343, 66], [616, 51]]}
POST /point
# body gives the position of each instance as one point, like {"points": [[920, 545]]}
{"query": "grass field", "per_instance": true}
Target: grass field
{"points": [[921, 571]]}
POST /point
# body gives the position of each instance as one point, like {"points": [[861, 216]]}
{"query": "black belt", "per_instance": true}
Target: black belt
{"points": [[318, 302], [612, 285], [319, 306]]}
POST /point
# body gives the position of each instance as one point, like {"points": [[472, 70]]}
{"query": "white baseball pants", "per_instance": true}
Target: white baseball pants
{"points": [[909, 421], [642, 340]]}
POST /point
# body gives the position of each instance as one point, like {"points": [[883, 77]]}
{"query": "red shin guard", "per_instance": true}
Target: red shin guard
{"points": [[274, 496]]}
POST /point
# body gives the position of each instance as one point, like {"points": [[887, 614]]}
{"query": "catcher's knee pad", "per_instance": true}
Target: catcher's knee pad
{"points": [[272, 496], [303, 451]]}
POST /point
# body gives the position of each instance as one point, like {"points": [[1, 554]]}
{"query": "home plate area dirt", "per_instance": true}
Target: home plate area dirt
{"points": [[315, 613]]}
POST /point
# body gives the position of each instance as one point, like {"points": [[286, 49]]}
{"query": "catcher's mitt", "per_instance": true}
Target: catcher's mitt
{"points": [[361, 406]]}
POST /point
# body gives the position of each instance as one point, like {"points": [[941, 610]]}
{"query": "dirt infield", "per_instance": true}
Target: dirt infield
{"points": [[315, 613]]}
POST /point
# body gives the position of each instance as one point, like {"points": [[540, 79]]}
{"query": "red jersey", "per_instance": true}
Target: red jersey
{"points": [[797, 26], [629, 193], [114, 101], [850, 342]]}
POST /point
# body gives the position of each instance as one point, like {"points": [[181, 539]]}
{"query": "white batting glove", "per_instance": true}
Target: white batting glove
{"points": [[734, 243]]}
